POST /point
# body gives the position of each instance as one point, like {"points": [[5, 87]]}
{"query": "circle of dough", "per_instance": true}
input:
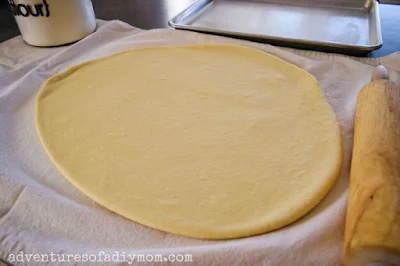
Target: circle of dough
{"points": [[206, 141]]}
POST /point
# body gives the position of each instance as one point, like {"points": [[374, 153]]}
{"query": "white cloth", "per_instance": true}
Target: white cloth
{"points": [[41, 212]]}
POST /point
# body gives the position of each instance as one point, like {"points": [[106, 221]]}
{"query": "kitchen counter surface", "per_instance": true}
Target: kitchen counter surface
{"points": [[150, 14]]}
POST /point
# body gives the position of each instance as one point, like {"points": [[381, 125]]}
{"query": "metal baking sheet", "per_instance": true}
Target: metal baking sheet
{"points": [[346, 26]]}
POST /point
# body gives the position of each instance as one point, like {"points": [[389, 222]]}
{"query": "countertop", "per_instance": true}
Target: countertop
{"points": [[150, 14]]}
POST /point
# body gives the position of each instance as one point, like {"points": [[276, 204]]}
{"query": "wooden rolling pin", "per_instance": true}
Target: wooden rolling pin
{"points": [[372, 235]]}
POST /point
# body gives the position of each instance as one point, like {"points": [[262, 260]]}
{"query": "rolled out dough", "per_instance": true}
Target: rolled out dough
{"points": [[204, 141]]}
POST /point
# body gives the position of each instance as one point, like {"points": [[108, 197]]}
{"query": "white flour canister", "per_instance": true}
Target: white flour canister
{"points": [[53, 22]]}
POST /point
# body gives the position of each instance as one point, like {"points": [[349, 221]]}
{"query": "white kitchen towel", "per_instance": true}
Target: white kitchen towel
{"points": [[41, 213]]}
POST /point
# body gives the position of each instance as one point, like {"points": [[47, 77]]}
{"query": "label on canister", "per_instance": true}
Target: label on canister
{"points": [[53, 22]]}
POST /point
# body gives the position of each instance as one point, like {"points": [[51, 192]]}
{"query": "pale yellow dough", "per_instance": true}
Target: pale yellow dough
{"points": [[204, 141]]}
